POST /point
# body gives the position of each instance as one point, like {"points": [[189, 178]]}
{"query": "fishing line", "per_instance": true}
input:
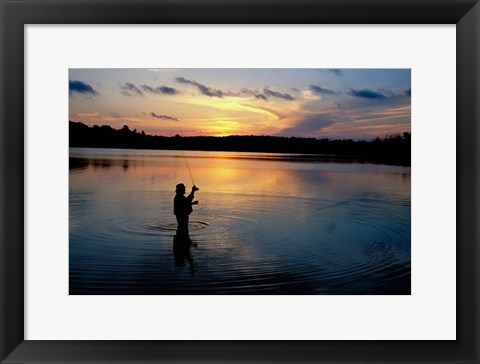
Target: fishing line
{"points": [[188, 167], [186, 162]]}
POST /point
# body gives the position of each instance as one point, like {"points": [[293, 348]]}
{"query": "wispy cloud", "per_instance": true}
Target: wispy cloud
{"points": [[163, 117], [114, 115], [367, 94], [277, 94], [160, 90], [336, 71], [264, 94], [258, 94], [322, 91], [89, 115], [390, 114], [129, 89], [81, 88], [311, 124], [204, 90]]}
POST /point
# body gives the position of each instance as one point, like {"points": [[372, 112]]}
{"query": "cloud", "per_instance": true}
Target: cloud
{"points": [[260, 96], [163, 117], [114, 115], [280, 95], [266, 93], [81, 88], [310, 124], [254, 92], [91, 115], [336, 71], [246, 90], [129, 89], [322, 91], [387, 114], [205, 90], [275, 113], [184, 80], [408, 92], [367, 94], [308, 96], [212, 92], [208, 91], [161, 90]]}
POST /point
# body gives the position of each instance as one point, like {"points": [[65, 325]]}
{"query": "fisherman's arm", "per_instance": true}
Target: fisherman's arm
{"points": [[191, 196], [190, 200]]}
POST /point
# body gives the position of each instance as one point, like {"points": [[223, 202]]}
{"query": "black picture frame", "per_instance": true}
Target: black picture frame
{"points": [[15, 14]]}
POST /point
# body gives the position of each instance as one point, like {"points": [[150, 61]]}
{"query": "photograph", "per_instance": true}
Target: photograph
{"points": [[239, 181]]}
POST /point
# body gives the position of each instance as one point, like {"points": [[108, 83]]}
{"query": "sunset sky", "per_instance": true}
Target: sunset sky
{"points": [[332, 103]]}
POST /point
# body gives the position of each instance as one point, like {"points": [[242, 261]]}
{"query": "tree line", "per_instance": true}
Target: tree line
{"points": [[392, 149]]}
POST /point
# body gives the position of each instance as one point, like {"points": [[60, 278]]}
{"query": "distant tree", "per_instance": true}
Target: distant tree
{"points": [[392, 149]]}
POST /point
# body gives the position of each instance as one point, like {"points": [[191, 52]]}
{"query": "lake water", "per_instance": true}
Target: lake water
{"points": [[265, 224]]}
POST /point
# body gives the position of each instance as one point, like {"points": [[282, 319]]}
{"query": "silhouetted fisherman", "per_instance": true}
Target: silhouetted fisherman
{"points": [[182, 208]]}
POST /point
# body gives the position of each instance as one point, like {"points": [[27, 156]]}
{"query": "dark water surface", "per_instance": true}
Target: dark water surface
{"points": [[265, 224]]}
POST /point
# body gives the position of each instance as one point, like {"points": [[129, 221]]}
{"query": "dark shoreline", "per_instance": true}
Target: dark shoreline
{"points": [[391, 150]]}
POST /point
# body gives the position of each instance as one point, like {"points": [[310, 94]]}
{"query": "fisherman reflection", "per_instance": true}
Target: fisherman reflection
{"points": [[182, 253], [182, 208]]}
